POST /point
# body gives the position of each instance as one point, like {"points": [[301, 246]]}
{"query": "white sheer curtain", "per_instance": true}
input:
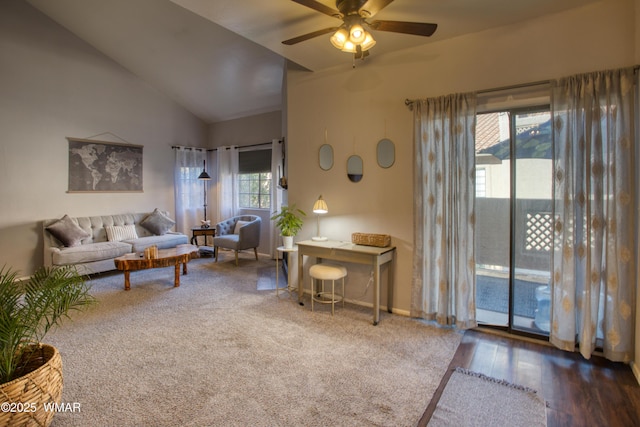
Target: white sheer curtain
{"points": [[277, 170], [189, 191], [594, 276], [227, 182], [443, 284]]}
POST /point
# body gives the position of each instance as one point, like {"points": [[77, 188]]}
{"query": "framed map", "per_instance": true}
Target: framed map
{"points": [[97, 166]]}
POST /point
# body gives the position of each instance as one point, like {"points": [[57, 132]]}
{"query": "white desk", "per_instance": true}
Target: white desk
{"points": [[349, 252]]}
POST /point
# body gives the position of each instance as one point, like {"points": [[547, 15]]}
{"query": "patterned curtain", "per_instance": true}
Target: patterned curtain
{"points": [[443, 284], [188, 190], [594, 280]]}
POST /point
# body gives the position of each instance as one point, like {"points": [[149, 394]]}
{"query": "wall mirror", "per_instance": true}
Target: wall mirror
{"points": [[354, 168], [386, 152], [325, 157]]}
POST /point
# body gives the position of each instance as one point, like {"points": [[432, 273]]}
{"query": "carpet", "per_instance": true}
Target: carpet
{"points": [[216, 351], [472, 399]]}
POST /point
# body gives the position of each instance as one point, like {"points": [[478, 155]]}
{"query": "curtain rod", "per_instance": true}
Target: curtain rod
{"points": [[409, 102], [215, 149]]}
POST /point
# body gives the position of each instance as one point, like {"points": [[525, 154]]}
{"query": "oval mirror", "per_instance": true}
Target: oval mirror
{"points": [[325, 157], [354, 168], [386, 153]]}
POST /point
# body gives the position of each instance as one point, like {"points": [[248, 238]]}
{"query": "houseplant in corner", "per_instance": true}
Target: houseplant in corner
{"points": [[31, 372], [289, 221]]}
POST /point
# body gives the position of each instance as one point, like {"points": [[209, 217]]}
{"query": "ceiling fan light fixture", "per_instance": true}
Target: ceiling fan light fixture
{"points": [[339, 38], [349, 47], [356, 34], [368, 42]]}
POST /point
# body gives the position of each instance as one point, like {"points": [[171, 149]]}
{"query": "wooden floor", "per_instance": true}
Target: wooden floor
{"points": [[578, 392]]}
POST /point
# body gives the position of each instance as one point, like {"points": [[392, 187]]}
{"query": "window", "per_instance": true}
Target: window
{"points": [[481, 182], [255, 190], [254, 179]]}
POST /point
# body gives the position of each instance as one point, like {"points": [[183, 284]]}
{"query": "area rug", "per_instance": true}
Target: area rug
{"points": [[216, 351], [472, 399]]}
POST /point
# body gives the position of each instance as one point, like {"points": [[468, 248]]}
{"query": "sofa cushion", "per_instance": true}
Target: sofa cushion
{"points": [[165, 241], [239, 225], [90, 252], [118, 233], [67, 231], [157, 222]]}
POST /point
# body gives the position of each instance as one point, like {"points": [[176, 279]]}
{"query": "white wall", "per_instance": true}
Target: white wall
{"points": [[358, 107], [53, 86]]}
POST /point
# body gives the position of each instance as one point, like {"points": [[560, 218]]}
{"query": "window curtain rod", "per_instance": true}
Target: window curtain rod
{"points": [[409, 102], [215, 149]]}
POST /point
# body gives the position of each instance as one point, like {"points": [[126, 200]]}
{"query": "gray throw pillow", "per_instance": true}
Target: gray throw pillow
{"points": [[67, 231], [157, 223]]}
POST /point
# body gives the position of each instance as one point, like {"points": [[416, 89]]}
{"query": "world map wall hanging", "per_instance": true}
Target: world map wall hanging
{"points": [[98, 166]]}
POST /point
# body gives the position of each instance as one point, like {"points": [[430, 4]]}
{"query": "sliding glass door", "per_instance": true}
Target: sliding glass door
{"points": [[513, 219]]}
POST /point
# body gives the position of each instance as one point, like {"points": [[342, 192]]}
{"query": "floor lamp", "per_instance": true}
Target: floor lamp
{"points": [[204, 176], [319, 208]]}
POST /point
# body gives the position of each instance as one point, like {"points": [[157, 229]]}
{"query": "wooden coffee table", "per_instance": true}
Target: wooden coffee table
{"points": [[181, 254]]}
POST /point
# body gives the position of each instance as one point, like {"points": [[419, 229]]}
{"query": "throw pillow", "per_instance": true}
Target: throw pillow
{"points": [[118, 233], [239, 225], [157, 222], [67, 231]]}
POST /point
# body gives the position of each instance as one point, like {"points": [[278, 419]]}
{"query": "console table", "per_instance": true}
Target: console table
{"points": [[350, 252]]}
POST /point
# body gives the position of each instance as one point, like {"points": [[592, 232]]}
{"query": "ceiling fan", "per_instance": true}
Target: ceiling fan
{"points": [[352, 36]]}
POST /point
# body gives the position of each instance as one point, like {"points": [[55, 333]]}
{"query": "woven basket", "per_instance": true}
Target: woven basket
{"points": [[369, 239], [31, 391]]}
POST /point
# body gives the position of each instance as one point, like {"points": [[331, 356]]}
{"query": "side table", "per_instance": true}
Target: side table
{"points": [[199, 231], [291, 269]]}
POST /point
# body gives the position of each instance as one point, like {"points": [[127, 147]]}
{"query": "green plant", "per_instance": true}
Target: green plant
{"points": [[289, 220], [30, 308]]}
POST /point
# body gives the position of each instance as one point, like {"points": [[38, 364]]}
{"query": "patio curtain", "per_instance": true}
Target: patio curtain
{"points": [[227, 182], [443, 282], [277, 170], [594, 278], [188, 190]]}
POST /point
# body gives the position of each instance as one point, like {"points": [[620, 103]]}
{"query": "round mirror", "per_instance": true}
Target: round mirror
{"points": [[386, 153], [325, 157], [354, 168]]}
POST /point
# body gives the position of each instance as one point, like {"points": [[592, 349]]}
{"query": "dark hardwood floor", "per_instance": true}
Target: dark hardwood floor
{"points": [[578, 392]]}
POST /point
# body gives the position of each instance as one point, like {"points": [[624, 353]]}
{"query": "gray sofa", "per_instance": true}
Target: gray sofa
{"points": [[89, 247]]}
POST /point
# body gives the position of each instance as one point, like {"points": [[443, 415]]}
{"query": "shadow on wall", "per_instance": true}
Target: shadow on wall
{"points": [[21, 247]]}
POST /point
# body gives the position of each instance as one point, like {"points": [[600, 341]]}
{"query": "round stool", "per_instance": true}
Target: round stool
{"points": [[324, 272]]}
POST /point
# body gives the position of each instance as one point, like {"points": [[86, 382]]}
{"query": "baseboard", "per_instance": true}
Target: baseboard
{"points": [[636, 371], [397, 311]]}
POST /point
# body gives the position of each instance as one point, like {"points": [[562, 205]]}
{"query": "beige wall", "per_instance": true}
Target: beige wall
{"points": [[358, 107], [53, 86]]}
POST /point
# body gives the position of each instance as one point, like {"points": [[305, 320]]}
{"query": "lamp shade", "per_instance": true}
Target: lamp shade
{"points": [[320, 206], [204, 175]]}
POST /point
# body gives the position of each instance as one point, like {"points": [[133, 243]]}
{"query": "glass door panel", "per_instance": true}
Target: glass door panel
{"points": [[513, 220]]}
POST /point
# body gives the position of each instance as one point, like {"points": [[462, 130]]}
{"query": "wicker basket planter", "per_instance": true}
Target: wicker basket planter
{"points": [[25, 397]]}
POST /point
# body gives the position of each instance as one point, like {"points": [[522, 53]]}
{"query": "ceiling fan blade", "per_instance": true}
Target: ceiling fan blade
{"points": [[371, 7], [319, 7], [309, 36], [415, 28]]}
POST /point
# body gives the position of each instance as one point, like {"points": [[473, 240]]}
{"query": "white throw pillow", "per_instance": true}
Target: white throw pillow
{"points": [[117, 233], [239, 225]]}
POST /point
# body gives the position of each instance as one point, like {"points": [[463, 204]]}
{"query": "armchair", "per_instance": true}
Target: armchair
{"points": [[238, 233]]}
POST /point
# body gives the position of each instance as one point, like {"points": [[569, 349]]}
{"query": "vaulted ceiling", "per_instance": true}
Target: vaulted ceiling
{"points": [[223, 59]]}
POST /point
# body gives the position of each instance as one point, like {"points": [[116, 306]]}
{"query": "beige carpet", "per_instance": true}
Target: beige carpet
{"points": [[217, 351], [472, 399]]}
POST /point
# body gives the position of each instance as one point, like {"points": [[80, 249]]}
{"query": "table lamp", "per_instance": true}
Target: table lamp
{"points": [[319, 208]]}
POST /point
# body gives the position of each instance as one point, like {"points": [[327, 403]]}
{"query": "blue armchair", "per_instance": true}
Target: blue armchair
{"points": [[238, 233]]}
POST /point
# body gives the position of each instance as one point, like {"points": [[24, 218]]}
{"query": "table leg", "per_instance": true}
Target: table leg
{"points": [[184, 267], [127, 284], [390, 283], [177, 276], [300, 278], [376, 292]]}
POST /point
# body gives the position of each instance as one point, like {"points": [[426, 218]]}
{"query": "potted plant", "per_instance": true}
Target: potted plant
{"points": [[289, 221], [31, 372]]}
